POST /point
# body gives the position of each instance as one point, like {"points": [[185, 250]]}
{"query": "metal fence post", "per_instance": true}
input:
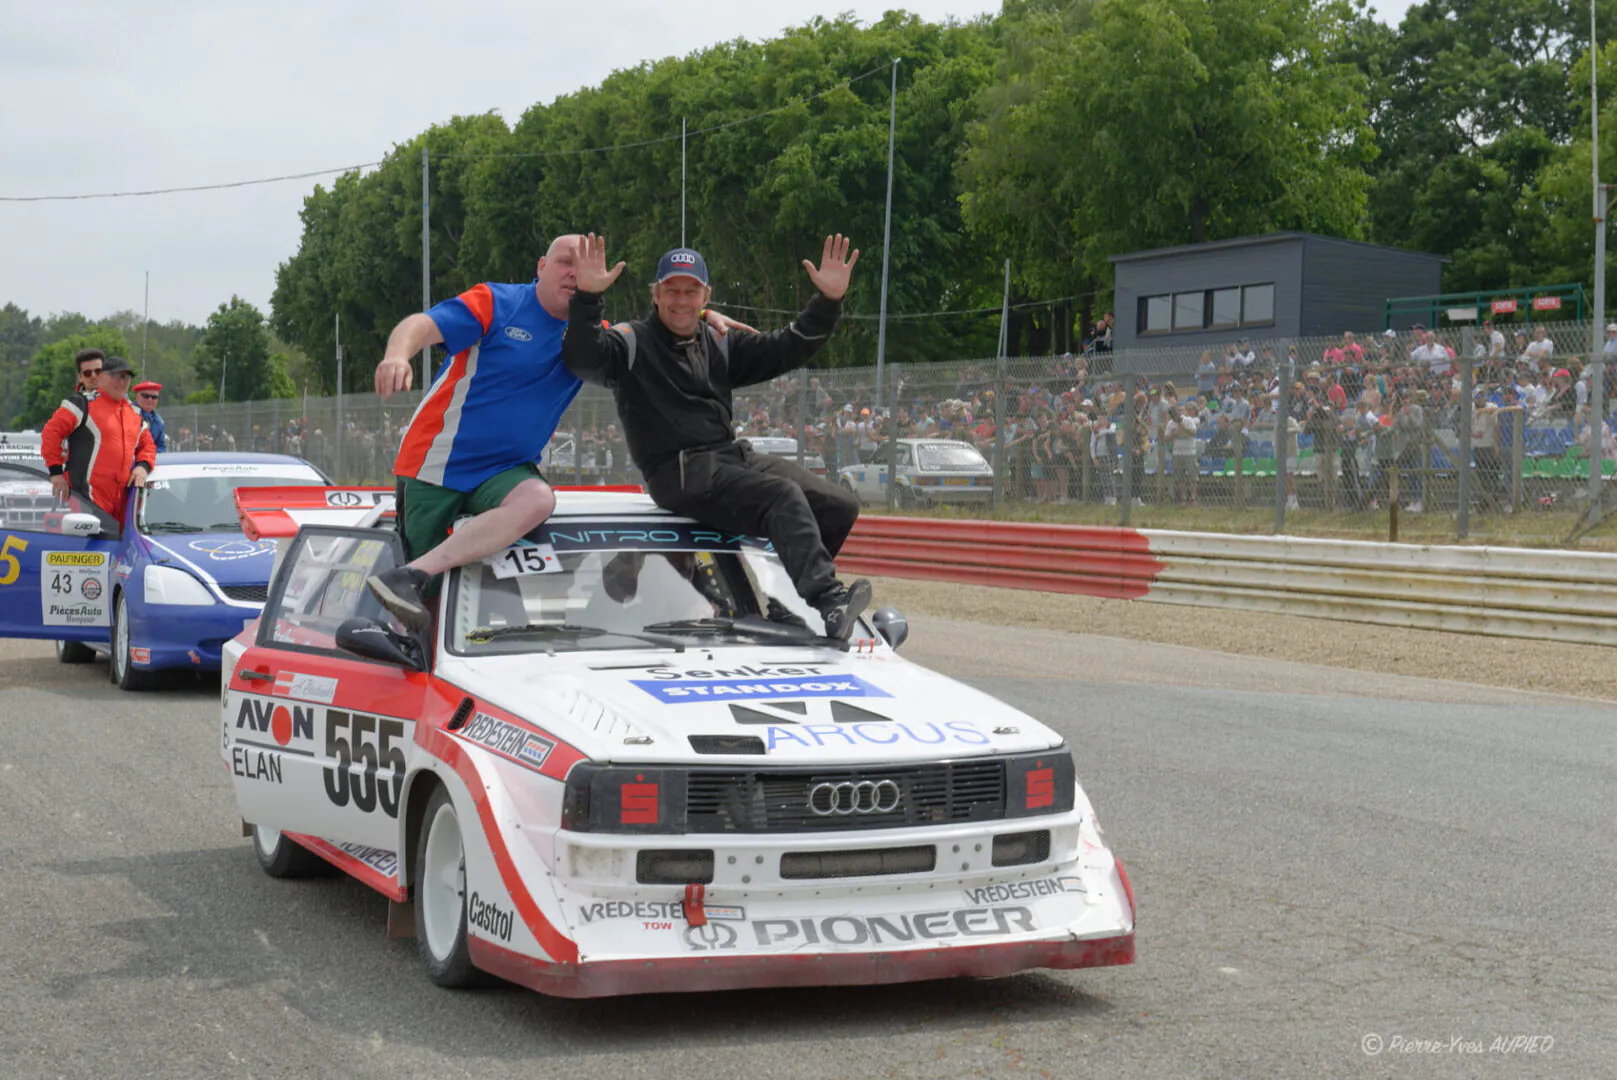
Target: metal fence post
{"points": [[995, 496], [1518, 454], [1282, 438], [890, 450], [1462, 463], [802, 416], [1597, 434], [1125, 489]]}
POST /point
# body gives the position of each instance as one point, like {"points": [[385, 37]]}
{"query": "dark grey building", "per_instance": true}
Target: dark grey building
{"points": [[1284, 285]]}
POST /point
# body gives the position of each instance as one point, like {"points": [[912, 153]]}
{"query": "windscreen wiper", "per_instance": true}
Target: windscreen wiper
{"points": [[482, 635], [173, 526], [749, 626]]}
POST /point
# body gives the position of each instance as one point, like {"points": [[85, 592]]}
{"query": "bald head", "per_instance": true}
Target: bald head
{"points": [[558, 275]]}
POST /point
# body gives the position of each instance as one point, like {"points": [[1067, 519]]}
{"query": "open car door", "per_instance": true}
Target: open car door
{"points": [[56, 562]]}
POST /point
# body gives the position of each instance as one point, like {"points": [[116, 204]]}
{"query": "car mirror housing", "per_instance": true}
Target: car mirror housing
{"points": [[370, 639], [891, 624], [75, 524]]}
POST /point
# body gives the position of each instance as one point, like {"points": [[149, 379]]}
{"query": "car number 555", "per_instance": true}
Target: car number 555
{"points": [[372, 743]]}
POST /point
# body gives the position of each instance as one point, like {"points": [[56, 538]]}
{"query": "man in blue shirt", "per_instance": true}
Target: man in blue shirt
{"points": [[146, 395], [474, 442]]}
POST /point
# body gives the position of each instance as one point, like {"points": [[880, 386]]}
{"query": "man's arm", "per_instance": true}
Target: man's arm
{"points": [[595, 353], [414, 333], [56, 430], [756, 358], [145, 458]]}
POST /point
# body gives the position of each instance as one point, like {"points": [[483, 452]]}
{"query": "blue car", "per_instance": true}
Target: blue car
{"points": [[159, 592]]}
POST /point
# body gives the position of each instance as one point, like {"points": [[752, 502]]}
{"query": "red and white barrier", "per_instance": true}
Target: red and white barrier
{"points": [[1509, 592]]}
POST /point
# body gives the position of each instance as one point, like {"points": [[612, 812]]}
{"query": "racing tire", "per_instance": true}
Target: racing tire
{"points": [[74, 652], [122, 670], [440, 896], [283, 858], [905, 499]]}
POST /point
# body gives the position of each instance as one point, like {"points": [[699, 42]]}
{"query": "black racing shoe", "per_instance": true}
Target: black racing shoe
{"points": [[400, 591], [844, 609], [778, 612]]}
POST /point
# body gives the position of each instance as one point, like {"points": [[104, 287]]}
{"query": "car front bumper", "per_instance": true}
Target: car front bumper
{"points": [[184, 635]]}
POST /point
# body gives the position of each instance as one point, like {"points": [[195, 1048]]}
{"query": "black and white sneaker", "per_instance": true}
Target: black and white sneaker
{"points": [[400, 591], [844, 608]]}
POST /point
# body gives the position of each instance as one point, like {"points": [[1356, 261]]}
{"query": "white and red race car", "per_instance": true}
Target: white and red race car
{"points": [[622, 763]]}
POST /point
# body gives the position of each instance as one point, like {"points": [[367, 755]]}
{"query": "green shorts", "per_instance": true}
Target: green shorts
{"points": [[426, 511]]}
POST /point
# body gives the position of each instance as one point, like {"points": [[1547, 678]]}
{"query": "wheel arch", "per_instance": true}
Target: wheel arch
{"points": [[418, 789]]}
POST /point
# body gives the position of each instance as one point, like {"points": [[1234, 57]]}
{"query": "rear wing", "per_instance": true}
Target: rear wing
{"points": [[276, 513]]}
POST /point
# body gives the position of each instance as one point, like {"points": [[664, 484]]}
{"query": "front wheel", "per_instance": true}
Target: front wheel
{"points": [[281, 858], [440, 895], [74, 652], [122, 670]]}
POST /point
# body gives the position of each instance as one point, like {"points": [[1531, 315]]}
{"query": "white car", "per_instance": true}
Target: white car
{"points": [[784, 448], [605, 772], [929, 471]]}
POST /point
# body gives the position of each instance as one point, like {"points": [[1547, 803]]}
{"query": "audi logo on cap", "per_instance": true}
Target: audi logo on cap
{"points": [[848, 798], [683, 258]]}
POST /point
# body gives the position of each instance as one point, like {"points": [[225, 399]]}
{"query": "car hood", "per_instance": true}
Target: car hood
{"points": [[223, 558], [806, 706]]}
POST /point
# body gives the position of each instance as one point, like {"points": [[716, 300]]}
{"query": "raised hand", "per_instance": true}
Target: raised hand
{"points": [[593, 276], [831, 276]]}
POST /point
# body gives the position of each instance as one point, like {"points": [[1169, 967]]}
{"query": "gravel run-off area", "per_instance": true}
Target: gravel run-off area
{"points": [[1588, 671]]}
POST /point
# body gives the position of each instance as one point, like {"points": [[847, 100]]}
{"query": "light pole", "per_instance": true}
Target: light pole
{"points": [[887, 235], [1597, 337]]}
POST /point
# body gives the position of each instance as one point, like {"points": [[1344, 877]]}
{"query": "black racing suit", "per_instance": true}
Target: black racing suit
{"points": [[674, 401]]}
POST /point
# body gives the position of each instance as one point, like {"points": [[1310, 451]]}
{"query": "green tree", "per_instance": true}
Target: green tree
{"points": [[234, 354], [1470, 100], [20, 338], [51, 376], [1117, 125]]}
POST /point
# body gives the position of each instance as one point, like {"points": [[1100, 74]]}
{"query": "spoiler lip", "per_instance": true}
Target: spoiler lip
{"points": [[275, 513]]}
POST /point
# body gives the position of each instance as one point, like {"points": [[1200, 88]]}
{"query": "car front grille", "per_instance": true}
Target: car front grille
{"points": [[779, 800], [255, 594]]}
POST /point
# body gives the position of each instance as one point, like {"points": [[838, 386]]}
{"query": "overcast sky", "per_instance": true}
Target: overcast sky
{"points": [[119, 96]]}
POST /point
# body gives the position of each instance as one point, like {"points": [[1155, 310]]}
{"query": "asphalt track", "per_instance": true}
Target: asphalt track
{"points": [[1321, 860]]}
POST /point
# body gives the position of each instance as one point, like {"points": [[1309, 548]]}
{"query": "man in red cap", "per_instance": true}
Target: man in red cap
{"points": [[146, 395], [108, 446]]}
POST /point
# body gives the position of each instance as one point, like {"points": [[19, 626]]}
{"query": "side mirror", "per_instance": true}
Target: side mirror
{"points": [[891, 624], [370, 639], [80, 525]]}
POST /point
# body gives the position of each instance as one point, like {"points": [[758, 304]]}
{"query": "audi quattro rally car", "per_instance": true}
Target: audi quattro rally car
{"points": [[163, 590], [607, 771]]}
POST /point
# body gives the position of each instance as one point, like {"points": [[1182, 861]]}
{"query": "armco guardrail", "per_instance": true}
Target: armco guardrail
{"points": [[1509, 592]]}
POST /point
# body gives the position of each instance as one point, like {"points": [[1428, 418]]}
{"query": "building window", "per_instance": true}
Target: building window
{"points": [[1207, 309], [1187, 310], [1257, 305], [1155, 314]]}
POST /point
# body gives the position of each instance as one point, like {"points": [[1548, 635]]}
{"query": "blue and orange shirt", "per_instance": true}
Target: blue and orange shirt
{"points": [[496, 401]]}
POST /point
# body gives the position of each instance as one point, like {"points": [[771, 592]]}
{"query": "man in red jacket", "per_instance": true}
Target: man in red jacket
{"points": [[108, 445]]}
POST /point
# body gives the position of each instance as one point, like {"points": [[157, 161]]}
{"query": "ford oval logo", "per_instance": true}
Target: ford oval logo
{"points": [[518, 333]]}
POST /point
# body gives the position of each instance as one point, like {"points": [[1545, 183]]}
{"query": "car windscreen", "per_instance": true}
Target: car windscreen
{"points": [[193, 500], [575, 584], [950, 456]]}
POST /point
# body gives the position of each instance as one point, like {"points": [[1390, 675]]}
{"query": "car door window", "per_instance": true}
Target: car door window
{"points": [[322, 585]]}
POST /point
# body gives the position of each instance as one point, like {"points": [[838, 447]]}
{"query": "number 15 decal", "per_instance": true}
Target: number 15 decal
{"points": [[524, 559]]}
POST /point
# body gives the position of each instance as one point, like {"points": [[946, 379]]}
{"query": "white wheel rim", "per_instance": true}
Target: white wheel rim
{"points": [[266, 840], [120, 652], [443, 883]]}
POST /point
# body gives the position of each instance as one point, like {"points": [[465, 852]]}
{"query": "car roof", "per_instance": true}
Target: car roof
{"points": [[222, 457], [601, 503]]}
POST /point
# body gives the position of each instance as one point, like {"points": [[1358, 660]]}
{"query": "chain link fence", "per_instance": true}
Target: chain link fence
{"points": [[1455, 434]]}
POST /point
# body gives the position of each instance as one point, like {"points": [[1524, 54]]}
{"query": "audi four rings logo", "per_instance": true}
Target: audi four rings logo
{"points": [[864, 797], [682, 258]]}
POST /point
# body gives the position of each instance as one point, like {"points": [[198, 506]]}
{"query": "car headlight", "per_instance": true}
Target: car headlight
{"points": [[166, 585]]}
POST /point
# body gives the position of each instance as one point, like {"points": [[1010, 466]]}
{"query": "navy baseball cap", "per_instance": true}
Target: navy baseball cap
{"points": [[682, 262]]}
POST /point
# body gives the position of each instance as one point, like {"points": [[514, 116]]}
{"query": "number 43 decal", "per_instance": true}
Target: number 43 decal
{"points": [[524, 559]]}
